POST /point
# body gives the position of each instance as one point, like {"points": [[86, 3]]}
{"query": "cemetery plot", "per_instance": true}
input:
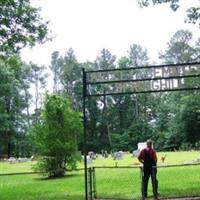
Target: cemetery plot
{"points": [[121, 182]]}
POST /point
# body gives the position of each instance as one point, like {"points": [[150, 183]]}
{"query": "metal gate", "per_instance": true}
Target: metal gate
{"points": [[115, 183], [135, 80], [125, 183]]}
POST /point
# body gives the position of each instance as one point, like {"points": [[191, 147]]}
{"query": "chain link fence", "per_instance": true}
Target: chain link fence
{"points": [[179, 180], [115, 182], [126, 182], [103, 183]]}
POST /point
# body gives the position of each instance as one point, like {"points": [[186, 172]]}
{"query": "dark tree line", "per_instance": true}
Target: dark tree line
{"points": [[120, 122], [113, 123]]}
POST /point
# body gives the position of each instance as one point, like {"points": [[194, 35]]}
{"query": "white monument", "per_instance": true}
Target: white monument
{"points": [[141, 145]]}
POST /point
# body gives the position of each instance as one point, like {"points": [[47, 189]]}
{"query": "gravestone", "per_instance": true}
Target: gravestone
{"points": [[141, 145], [22, 159], [92, 155], [89, 160], [118, 155], [12, 160], [104, 153], [136, 153]]}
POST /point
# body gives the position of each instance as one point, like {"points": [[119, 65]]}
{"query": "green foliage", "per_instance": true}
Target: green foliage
{"points": [[180, 49], [138, 55], [56, 136], [11, 105], [193, 12], [67, 77], [21, 25], [176, 121], [121, 142], [190, 116], [113, 122], [174, 4]]}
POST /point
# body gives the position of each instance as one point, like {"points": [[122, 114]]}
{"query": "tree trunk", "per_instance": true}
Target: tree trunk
{"points": [[9, 149]]}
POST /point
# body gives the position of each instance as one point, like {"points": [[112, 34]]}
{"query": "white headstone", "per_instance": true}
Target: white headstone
{"points": [[136, 153], [118, 155], [89, 160], [12, 160], [141, 145]]}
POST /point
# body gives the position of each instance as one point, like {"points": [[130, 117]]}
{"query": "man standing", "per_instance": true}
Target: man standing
{"points": [[148, 158]]}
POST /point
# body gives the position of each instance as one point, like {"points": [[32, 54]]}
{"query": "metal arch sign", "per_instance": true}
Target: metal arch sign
{"points": [[146, 79]]}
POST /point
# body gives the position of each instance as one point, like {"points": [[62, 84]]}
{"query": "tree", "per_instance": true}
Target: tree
{"points": [[105, 61], [56, 64], [11, 104], [70, 78], [193, 13], [56, 136], [180, 49], [171, 121], [190, 118], [23, 146], [38, 78], [26, 80], [138, 55], [21, 25]]}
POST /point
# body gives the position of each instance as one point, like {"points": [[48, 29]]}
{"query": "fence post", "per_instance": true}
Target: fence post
{"points": [[94, 183], [155, 183], [142, 185], [90, 183]]}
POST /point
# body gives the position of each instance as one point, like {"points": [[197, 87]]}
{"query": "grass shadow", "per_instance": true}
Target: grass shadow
{"points": [[44, 178]]}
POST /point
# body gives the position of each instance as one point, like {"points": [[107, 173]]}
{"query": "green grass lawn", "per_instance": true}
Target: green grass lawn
{"points": [[111, 182], [32, 187]]}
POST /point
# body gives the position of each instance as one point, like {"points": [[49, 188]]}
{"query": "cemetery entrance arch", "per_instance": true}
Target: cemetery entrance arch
{"points": [[136, 80]]}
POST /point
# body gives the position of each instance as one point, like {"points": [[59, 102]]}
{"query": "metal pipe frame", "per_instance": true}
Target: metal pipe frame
{"points": [[86, 95]]}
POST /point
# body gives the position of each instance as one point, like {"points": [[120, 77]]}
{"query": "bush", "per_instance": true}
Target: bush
{"points": [[56, 136]]}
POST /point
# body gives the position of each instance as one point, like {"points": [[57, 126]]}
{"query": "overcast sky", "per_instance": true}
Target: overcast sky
{"points": [[90, 25]]}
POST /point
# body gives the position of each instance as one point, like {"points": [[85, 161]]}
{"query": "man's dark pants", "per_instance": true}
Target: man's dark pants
{"points": [[147, 173]]}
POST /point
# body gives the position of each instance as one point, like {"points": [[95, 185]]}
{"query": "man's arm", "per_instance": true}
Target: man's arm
{"points": [[141, 157], [155, 157], [141, 160]]}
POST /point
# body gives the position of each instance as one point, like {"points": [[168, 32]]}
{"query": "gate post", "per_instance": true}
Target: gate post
{"points": [[142, 185], [94, 182], [84, 131], [90, 184], [155, 183]]}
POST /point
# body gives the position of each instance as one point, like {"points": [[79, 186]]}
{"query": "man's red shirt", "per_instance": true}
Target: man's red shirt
{"points": [[150, 151]]}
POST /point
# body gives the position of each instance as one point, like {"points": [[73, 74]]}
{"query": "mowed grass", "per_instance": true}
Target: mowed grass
{"points": [[110, 182], [172, 158], [32, 187]]}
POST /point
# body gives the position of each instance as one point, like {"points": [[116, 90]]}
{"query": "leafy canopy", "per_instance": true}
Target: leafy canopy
{"points": [[21, 25], [56, 136], [193, 13]]}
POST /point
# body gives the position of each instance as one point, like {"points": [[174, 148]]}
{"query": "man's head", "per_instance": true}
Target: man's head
{"points": [[149, 143]]}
